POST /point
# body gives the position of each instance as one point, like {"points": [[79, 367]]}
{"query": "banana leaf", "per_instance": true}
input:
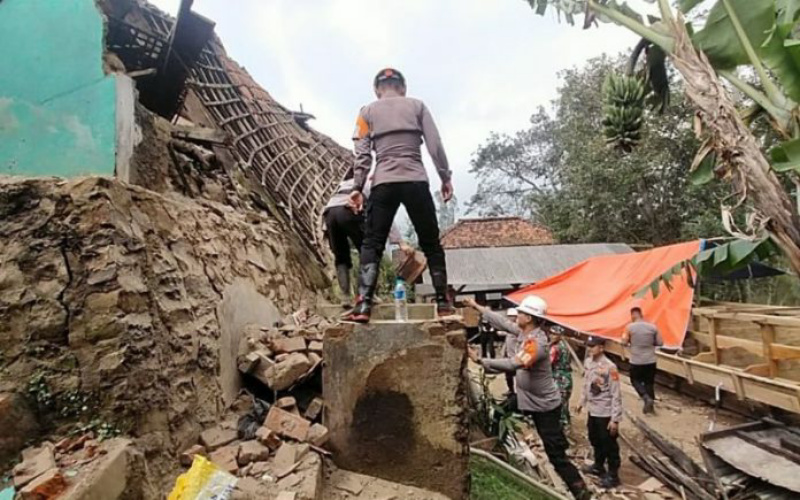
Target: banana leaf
{"points": [[718, 37]]}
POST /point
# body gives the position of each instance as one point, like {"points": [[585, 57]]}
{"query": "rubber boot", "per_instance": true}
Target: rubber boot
{"points": [[343, 277], [649, 405], [610, 480], [595, 470], [444, 306], [367, 280]]}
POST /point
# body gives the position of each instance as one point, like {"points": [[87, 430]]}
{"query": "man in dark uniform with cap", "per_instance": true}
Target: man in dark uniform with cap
{"points": [[395, 126]]}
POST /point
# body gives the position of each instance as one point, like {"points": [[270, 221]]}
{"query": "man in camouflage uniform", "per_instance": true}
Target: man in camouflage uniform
{"points": [[562, 371]]}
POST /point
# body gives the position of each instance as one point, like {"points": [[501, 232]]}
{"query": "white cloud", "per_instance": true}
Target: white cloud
{"points": [[481, 65]]}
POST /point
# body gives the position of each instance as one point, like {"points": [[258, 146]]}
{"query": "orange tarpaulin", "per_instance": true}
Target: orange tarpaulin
{"points": [[596, 295]]}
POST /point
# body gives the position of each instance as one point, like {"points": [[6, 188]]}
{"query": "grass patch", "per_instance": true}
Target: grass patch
{"points": [[490, 482]]}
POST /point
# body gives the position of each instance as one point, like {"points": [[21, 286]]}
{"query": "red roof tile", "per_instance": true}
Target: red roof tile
{"points": [[496, 232]]}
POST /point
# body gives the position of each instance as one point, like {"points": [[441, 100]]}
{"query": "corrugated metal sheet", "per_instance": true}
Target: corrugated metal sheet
{"points": [[483, 269]]}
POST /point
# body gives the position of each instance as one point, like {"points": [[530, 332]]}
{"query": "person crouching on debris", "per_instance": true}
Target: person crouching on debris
{"points": [[394, 127], [561, 361], [643, 337], [345, 226], [602, 396], [537, 395]]}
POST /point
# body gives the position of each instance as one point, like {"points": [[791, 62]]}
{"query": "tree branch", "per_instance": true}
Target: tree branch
{"points": [[640, 29]]}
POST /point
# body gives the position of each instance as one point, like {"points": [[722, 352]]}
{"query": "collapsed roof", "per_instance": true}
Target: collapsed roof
{"points": [[182, 71]]}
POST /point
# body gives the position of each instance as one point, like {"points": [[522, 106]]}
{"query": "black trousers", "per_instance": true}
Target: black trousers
{"points": [[382, 206], [487, 343], [606, 448], [643, 379], [548, 425], [344, 227]]}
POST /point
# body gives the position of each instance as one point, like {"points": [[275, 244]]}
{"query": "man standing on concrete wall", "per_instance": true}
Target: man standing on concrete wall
{"points": [[394, 127]]}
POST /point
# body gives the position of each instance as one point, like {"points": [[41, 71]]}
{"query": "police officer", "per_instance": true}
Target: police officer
{"points": [[537, 395], [394, 127], [602, 396]]}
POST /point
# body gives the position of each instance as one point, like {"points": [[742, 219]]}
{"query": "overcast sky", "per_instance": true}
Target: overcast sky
{"points": [[480, 65]]}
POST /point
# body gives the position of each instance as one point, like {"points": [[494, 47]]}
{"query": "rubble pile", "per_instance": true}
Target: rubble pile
{"points": [[280, 357], [78, 467], [275, 447]]}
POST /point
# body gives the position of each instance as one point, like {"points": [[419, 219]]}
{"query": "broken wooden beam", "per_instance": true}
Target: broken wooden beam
{"points": [[674, 453], [200, 134]]}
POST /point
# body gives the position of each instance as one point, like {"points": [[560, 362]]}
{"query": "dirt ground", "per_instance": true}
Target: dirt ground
{"points": [[678, 417]]}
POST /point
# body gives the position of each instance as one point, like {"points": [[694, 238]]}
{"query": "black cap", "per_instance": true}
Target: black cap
{"points": [[594, 340], [389, 75]]}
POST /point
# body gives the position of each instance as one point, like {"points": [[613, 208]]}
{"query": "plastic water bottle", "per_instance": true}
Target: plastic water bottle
{"points": [[400, 303]]}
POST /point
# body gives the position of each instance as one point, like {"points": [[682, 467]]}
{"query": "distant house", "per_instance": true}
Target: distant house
{"points": [[492, 256]]}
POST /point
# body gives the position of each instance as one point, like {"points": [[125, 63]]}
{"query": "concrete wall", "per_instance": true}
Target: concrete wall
{"points": [[57, 107]]}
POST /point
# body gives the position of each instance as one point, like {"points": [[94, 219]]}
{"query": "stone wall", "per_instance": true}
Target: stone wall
{"points": [[122, 307]]}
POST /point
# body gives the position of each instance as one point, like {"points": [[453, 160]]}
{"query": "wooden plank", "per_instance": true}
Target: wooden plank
{"points": [[779, 351], [707, 357], [674, 453], [768, 338], [712, 333], [761, 370]]}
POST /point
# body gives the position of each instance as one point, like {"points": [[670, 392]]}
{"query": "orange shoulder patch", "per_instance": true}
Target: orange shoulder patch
{"points": [[362, 128], [527, 355], [614, 374]]}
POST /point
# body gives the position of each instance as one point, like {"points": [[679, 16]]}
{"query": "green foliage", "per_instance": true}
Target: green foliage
{"points": [[39, 392], [561, 173], [624, 110], [491, 482], [713, 262]]}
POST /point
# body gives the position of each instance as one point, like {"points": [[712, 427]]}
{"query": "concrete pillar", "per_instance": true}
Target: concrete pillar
{"points": [[395, 403]]}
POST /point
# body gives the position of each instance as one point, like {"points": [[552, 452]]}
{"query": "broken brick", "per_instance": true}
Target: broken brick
{"points": [[48, 485], [287, 495], [35, 462], [315, 346], [268, 438], [226, 458], [283, 374], [314, 409], [287, 424], [318, 435], [288, 345], [258, 469], [281, 357], [248, 363], [285, 458], [187, 457], [217, 437], [314, 358], [286, 403], [252, 451]]}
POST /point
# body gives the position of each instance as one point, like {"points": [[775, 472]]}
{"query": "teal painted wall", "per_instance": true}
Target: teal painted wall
{"points": [[57, 108]]}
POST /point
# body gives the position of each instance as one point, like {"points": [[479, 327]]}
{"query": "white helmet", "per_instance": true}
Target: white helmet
{"points": [[533, 305], [512, 311]]}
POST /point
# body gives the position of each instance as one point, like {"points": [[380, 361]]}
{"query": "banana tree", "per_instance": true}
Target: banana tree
{"points": [[757, 34]]}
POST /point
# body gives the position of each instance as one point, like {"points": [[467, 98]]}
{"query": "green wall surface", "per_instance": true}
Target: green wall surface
{"points": [[57, 107]]}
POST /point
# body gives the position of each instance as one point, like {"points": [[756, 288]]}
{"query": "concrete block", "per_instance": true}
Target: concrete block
{"points": [[315, 346], [395, 397], [35, 462], [287, 424], [217, 437], [117, 473], [283, 374], [287, 495], [47, 486], [385, 312]]}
